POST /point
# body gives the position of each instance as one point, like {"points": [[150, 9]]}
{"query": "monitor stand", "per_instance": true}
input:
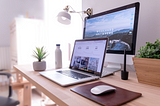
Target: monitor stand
{"points": [[109, 68]]}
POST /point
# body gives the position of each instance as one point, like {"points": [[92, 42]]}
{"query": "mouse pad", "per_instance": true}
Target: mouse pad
{"points": [[115, 98]]}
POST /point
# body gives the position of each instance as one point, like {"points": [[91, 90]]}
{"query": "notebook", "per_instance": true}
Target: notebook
{"points": [[86, 63]]}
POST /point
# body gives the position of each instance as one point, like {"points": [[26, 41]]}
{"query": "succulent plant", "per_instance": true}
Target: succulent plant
{"points": [[39, 53]]}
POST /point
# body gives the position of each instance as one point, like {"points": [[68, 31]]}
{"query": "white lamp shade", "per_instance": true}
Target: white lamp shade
{"points": [[64, 17]]}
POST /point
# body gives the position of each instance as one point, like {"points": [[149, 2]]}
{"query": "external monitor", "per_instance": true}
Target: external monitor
{"points": [[120, 26]]}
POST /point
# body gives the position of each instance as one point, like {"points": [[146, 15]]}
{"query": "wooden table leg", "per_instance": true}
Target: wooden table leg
{"points": [[19, 78], [20, 96], [24, 91], [27, 95]]}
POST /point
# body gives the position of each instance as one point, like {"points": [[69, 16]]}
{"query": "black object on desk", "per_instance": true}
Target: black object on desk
{"points": [[124, 73]]}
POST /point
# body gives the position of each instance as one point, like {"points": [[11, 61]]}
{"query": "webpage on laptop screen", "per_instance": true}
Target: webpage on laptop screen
{"points": [[88, 55]]}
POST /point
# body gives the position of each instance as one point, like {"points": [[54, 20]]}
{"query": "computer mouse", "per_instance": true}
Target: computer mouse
{"points": [[101, 89]]}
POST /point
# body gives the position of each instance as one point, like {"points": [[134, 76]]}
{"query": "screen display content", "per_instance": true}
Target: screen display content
{"points": [[88, 56], [119, 25]]}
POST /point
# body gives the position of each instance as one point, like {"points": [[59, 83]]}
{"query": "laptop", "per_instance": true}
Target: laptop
{"points": [[86, 63]]}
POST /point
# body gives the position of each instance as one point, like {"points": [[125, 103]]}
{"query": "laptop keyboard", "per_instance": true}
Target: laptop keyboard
{"points": [[73, 74]]}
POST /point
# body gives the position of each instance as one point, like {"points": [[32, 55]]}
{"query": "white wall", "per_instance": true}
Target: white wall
{"points": [[9, 9], [58, 33], [149, 16]]}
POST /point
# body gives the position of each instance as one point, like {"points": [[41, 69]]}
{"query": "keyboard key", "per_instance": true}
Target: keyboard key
{"points": [[73, 74]]}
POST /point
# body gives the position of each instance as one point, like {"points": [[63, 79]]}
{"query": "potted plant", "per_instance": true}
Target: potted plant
{"points": [[147, 63], [39, 54]]}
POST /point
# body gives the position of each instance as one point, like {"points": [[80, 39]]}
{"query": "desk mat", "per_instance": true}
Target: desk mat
{"points": [[118, 97]]}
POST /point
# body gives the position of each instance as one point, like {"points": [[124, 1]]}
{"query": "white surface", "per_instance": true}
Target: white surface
{"points": [[64, 80], [26, 35], [13, 8], [64, 17], [5, 58], [58, 58], [118, 58], [100, 89]]}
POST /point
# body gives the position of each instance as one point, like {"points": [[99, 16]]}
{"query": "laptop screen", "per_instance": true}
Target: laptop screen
{"points": [[88, 55]]}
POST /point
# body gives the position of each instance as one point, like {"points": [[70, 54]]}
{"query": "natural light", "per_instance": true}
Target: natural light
{"points": [[57, 33]]}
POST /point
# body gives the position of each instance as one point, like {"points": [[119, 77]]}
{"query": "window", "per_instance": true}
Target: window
{"points": [[57, 33]]}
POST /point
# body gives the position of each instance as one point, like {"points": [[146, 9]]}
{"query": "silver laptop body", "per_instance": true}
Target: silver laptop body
{"points": [[87, 60]]}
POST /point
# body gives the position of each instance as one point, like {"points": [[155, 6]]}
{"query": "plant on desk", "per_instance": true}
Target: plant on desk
{"points": [[150, 50], [39, 54], [147, 63]]}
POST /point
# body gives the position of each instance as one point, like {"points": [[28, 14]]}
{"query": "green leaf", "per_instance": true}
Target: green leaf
{"points": [[150, 50], [39, 53]]}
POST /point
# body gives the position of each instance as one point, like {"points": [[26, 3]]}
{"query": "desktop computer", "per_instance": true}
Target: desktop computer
{"points": [[120, 26]]}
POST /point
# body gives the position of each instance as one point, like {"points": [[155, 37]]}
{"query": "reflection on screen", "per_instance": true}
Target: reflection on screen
{"points": [[117, 26]]}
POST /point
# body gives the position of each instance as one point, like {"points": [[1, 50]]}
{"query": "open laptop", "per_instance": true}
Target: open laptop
{"points": [[86, 63]]}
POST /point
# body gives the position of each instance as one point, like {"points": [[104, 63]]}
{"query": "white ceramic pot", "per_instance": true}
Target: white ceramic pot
{"points": [[39, 66]]}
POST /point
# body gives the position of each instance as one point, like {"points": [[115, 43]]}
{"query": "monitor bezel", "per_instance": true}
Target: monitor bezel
{"points": [[136, 5]]}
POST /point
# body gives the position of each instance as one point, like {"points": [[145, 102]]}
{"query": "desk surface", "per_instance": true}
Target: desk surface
{"points": [[63, 96]]}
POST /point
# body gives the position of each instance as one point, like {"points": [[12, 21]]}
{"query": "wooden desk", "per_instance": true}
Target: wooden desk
{"points": [[64, 97]]}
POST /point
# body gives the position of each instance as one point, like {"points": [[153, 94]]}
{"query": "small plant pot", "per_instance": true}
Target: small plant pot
{"points": [[39, 66]]}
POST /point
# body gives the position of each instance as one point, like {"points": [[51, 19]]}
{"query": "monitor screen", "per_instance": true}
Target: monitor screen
{"points": [[119, 25]]}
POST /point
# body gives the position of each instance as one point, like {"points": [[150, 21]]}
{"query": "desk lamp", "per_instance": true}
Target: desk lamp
{"points": [[65, 18]]}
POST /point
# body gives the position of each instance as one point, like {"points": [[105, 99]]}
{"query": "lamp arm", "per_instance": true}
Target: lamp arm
{"points": [[89, 11], [67, 8], [78, 13]]}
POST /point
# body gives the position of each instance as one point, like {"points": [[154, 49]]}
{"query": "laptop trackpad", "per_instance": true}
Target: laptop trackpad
{"points": [[57, 77]]}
